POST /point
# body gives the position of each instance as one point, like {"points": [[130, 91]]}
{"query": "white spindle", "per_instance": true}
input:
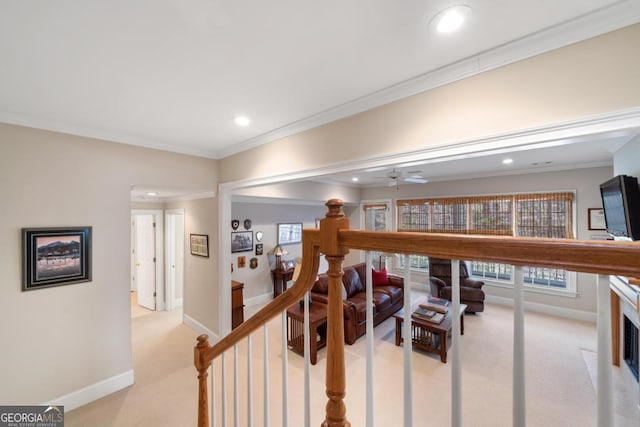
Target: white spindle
{"points": [[307, 363], [236, 389], [285, 373], [605, 381], [408, 345], [369, 300], [456, 374], [249, 383], [224, 390], [519, 395], [213, 394], [265, 375]]}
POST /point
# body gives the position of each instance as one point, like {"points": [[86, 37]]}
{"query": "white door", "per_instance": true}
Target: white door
{"points": [[175, 255], [145, 256]]}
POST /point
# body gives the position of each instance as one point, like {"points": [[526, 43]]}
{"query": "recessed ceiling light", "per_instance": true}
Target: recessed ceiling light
{"points": [[242, 120], [354, 179], [507, 161], [449, 20], [151, 193]]}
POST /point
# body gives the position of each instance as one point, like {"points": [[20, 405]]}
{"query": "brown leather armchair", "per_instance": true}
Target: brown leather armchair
{"points": [[471, 292]]}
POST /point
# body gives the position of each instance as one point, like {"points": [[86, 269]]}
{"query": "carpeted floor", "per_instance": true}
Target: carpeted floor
{"points": [[560, 389]]}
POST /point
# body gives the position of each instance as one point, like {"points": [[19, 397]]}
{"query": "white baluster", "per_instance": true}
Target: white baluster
{"points": [[307, 363], [265, 369], [370, 415], [519, 395], [456, 374], [408, 345], [236, 389], [213, 393], [249, 384], [224, 390], [285, 373], [605, 381]]}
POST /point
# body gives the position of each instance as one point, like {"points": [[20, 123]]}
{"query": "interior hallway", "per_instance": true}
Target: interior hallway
{"points": [[560, 365]]}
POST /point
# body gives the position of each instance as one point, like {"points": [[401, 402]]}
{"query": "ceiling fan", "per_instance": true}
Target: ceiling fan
{"points": [[394, 177]]}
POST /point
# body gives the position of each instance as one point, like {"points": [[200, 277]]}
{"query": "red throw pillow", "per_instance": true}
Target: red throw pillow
{"points": [[380, 278]]}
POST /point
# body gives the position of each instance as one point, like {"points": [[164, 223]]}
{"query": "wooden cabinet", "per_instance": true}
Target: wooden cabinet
{"points": [[237, 304]]}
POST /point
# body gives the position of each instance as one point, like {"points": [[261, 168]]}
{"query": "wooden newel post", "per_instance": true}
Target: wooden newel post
{"points": [[334, 254], [202, 367]]}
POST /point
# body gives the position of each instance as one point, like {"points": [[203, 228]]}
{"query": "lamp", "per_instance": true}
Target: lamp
{"points": [[278, 251]]}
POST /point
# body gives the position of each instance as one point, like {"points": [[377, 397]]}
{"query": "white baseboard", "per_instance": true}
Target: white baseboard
{"points": [[93, 392], [568, 313], [260, 299], [200, 328]]}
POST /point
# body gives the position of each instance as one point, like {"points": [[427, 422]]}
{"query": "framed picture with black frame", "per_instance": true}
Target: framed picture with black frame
{"points": [[199, 244], [55, 256], [241, 241]]}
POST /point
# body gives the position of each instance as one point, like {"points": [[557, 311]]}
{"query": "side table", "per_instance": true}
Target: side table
{"points": [[317, 325]]}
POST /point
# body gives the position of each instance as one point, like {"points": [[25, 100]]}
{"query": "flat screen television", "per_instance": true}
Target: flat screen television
{"points": [[621, 203]]}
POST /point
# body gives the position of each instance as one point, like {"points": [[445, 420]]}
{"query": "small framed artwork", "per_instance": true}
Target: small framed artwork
{"points": [[289, 233], [259, 248], [241, 241], [242, 261], [55, 256], [596, 219], [199, 244]]}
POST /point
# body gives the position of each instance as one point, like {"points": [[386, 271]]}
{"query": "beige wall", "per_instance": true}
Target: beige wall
{"points": [[592, 77], [585, 182], [59, 340]]}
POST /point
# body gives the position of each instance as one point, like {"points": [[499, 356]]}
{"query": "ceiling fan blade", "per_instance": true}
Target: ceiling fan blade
{"points": [[416, 180]]}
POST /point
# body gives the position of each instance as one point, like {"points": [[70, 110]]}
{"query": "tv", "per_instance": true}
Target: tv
{"points": [[621, 203]]}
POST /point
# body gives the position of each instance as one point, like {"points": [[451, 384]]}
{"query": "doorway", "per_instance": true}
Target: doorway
{"points": [[146, 259], [174, 222]]}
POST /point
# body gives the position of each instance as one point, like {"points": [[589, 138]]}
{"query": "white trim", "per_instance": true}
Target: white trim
{"points": [[224, 255], [178, 303], [171, 302], [200, 328], [553, 310], [88, 394], [590, 25], [192, 196]]}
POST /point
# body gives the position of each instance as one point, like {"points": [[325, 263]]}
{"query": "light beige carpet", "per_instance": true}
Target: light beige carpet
{"points": [[559, 387]]}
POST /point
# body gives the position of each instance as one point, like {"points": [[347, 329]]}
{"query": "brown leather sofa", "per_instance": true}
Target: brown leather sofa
{"points": [[471, 292], [387, 299]]}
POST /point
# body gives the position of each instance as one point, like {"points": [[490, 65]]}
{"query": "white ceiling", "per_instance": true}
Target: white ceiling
{"points": [[172, 74]]}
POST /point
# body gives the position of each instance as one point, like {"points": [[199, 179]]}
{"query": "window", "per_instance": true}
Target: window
{"points": [[524, 215], [375, 218]]}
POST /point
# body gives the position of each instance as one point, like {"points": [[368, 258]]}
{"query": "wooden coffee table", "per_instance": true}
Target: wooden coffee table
{"points": [[317, 325], [428, 336]]}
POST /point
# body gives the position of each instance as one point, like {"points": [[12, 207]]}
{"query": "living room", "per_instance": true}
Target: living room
{"points": [[547, 97]]}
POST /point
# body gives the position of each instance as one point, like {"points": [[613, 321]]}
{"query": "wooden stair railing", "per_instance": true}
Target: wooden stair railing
{"points": [[334, 239]]}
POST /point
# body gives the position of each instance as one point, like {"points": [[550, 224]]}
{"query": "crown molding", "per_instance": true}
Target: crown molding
{"points": [[598, 22], [122, 138]]}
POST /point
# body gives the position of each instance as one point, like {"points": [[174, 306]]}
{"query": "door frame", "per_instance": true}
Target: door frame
{"points": [[158, 216], [170, 290]]}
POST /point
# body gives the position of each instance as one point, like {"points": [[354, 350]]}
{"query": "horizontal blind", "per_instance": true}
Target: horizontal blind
{"points": [[413, 215]]}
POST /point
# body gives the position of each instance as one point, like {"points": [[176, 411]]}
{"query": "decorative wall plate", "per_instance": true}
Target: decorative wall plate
{"points": [[259, 236], [247, 224], [235, 224]]}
